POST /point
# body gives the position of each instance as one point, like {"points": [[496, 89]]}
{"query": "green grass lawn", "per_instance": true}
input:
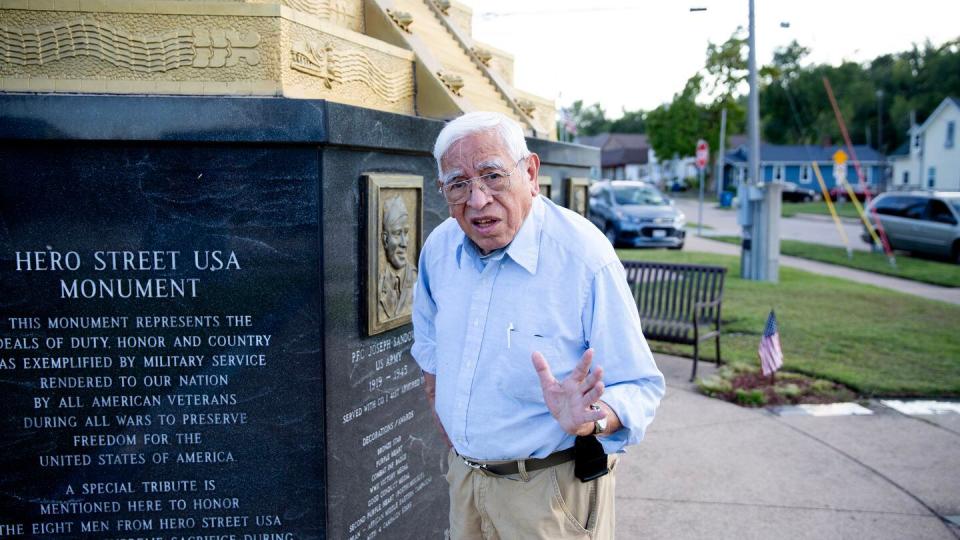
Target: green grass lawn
{"points": [[926, 271], [877, 342], [844, 209]]}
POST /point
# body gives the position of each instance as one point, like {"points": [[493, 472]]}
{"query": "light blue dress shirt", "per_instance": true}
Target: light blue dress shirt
{"points": [[559, 288]]}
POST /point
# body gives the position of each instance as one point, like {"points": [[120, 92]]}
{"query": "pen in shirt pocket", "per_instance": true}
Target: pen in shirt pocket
{"points": [[510, 330]]}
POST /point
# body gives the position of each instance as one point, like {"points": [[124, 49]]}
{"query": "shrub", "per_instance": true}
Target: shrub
{"points": [[787, 390], [751, 398], [714, 385]]}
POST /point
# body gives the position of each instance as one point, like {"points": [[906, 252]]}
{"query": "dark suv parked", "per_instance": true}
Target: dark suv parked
{"points": [[920, 221]]}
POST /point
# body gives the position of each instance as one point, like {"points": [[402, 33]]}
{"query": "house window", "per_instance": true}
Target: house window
{"points": [[931, 177], [805, 174], [906, 177], [951, 128], [916, 141], [779, 172], [868, 175]]}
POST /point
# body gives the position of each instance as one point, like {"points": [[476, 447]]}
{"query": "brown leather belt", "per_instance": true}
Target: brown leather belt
{"points": [[513, 467]]}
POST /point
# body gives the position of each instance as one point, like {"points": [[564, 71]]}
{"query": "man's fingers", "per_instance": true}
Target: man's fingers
{"points": [[543, 369], [594, 394], [583, 366], [591, 380]]}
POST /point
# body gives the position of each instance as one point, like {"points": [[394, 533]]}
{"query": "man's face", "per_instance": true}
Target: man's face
{"points": [[395, 237], [491, 220]]}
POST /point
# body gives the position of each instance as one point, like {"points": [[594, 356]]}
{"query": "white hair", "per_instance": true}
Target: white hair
{"points": [[476, 122]]}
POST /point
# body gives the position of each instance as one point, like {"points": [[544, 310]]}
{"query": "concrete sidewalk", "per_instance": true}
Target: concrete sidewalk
{"points": [[916, 288], [710, 469]]}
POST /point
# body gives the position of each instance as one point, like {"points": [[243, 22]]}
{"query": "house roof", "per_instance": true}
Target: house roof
{"points": [[799, 153], [593, 140], [619, 148], [947, 101], [902, 150], [737, 139]]}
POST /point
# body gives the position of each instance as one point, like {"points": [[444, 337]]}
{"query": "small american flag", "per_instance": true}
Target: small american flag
{"points": [[771, 356]]}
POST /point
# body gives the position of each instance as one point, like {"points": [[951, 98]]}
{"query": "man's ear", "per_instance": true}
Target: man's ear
{"points": [[533, 169]]}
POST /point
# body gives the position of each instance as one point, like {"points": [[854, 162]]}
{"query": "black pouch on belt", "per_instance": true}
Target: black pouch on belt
{"points": [[590, 461]]}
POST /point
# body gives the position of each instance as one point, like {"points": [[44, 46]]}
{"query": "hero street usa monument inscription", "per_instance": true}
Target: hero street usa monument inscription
{"points": [[119, 423]]}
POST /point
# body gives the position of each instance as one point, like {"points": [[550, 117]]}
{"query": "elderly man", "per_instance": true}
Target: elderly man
{"points": [[518, 305]]}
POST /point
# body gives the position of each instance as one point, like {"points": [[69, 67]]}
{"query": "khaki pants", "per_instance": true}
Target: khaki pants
{"points": [[548, 503]]}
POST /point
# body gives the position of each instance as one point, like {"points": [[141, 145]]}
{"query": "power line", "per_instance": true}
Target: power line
{"points": [[496, 15]]}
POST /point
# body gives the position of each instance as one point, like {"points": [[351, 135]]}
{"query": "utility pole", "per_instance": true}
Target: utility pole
{"points": [[721, 152], [759, 214]]}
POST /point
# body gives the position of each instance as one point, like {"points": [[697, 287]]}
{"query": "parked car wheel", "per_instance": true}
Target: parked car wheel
{"points": [[680, 246], [611, 234], [955, 253]]}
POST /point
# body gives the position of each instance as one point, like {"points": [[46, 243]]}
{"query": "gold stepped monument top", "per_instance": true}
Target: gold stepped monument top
{"points": [[414, 57]]}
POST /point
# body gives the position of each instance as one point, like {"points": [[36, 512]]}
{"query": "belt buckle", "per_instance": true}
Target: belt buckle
{"points": [[474, 465]]}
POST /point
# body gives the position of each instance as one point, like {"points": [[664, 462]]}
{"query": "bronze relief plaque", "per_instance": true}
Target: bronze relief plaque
{"points": [[394, 213]]}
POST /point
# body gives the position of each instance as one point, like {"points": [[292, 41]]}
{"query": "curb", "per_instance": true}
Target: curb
{"points": [[820, 217]]}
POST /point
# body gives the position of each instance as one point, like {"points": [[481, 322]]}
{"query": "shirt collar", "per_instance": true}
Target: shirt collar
{"points": [[525, 247]]}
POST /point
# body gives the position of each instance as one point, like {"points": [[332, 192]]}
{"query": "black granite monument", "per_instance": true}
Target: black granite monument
{"points": [[184, 348]]}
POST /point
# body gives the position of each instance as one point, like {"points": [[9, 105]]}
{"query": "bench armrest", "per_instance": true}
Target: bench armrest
{"points": [[701, 305]]}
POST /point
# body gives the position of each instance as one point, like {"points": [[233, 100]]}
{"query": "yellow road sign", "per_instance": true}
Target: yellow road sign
{"points": [[840, 157]]}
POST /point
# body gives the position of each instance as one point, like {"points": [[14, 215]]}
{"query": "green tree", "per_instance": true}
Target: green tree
{"points": [[630, 122], [674, 128], [726, 68], [590, 119]]}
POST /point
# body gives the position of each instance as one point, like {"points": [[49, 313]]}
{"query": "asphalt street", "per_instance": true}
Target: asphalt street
{"points": [[814, 229]]}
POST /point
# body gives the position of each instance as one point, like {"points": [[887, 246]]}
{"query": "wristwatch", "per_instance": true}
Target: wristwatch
{"points": [[599, 426]]}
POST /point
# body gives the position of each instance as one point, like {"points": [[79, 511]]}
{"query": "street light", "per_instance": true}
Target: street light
{"points": [[880, 120]]}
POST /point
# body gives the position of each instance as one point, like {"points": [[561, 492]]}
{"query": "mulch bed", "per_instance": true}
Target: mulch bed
{"points": [[753, 389]]}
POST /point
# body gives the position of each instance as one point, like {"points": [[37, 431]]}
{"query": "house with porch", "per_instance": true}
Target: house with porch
{"points": [[794, 163]]}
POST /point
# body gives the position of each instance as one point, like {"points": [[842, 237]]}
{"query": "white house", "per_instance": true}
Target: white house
{"points": [[934, 161], [902, 169]]}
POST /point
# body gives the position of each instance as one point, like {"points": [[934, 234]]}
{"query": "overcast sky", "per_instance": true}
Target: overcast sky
{"points": [[637, 54]]}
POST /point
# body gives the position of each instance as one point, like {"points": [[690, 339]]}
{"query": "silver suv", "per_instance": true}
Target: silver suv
{"points": [[920, 221]]}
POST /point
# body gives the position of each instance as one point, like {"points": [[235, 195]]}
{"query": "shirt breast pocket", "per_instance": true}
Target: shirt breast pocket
{"points": [[517, 377]]}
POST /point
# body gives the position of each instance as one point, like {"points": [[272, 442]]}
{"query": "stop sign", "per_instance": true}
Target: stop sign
{"points": [[703, 152]]}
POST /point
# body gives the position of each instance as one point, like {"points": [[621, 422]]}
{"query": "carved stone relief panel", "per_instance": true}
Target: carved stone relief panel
{"points": [[201, 47], [137, 47], [343, 66], [344, 13], [327, 66]]}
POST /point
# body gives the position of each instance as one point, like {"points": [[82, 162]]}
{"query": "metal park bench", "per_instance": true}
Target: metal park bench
{"points": [[678, 303]]}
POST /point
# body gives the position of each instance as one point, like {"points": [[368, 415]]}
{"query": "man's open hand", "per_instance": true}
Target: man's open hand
{"points": [[569, 400]]}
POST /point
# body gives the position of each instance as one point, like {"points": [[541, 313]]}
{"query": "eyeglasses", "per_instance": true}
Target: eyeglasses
{"points": [[496, 181]]}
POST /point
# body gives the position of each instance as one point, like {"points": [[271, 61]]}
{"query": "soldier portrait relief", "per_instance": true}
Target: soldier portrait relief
{"points": [[394, 212], [399, 275]]}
